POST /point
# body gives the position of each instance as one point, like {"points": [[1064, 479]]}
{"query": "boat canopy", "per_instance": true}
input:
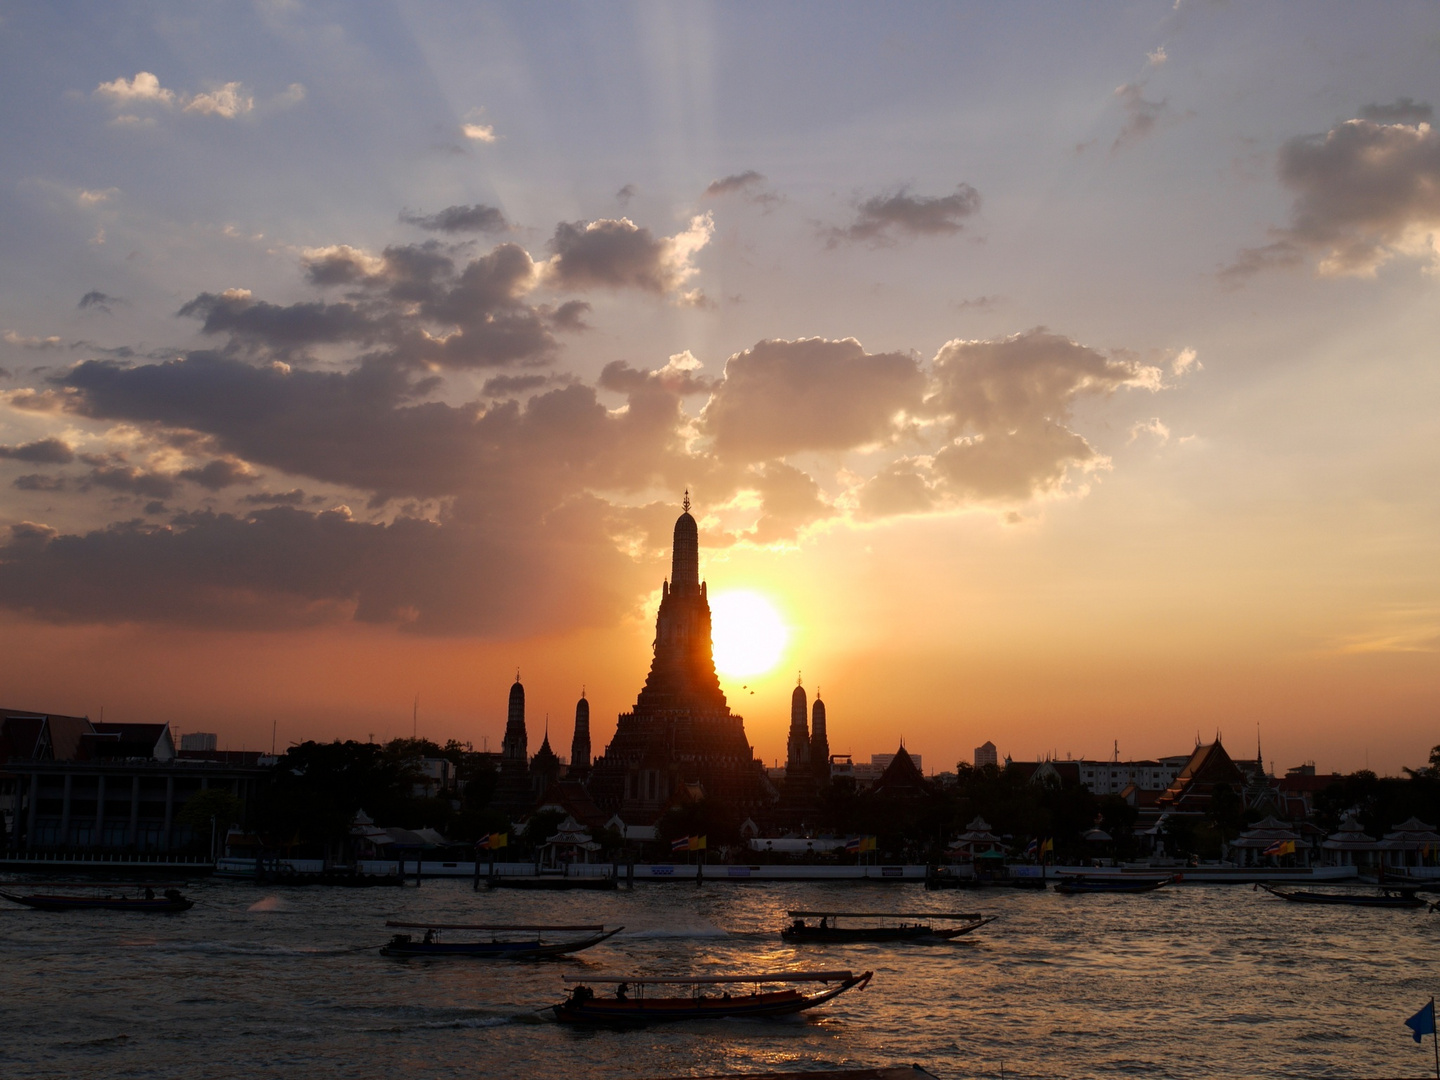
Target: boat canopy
{"points": [[883, 915], [481, 926], [776, 976]]}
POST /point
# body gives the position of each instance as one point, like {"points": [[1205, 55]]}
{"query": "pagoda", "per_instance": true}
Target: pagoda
{"points": [[681, 733]]}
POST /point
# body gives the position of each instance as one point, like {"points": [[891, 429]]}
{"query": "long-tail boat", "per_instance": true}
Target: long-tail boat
{"points": [[894, 928], [1111, 883], [145, 900], [633, 1004], [1387, 896], [519, 942]]}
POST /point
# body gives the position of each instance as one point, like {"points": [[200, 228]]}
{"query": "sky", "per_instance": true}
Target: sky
{"points": [[1062, 376]]}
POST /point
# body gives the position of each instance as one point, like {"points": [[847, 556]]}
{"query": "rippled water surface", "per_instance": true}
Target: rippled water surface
{"points": [[1195, 980]]}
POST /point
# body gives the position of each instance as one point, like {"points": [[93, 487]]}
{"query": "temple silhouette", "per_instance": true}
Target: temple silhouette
{"points": [[680, 742]]}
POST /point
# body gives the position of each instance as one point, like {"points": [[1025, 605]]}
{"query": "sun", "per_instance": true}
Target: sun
{"points": [[749, 635]]}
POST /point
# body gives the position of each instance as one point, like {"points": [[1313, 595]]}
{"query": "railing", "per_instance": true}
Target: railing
{"points": [[95, 858]]}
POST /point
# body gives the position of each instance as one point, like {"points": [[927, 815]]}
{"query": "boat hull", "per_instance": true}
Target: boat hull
{"points": [[160, 905], [1109, 885], [814, 935], [494, 950], [1401, 900], [641, 1011]]}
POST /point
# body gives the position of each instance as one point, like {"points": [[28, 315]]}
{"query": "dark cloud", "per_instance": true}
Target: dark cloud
{"points": [[736, 184], [293, 497], [618, 254], [219, 474], [131, 481], [781, 397], [789, 501], [626, 193], [283, 328], [1364, 192], [99, 301], [1141, 116], [40, 482], [885, 218], [678, 377], [40, 452], [1400, 111], [511, 385], [460, 219], [571, 316]]}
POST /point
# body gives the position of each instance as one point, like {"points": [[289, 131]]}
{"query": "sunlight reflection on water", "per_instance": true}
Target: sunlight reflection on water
{"points": [[1191, 981]]}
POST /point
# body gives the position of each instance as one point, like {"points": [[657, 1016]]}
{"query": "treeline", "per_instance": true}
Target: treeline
{"points": [[318, 788]]}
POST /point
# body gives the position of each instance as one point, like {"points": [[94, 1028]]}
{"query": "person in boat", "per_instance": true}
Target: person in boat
{"points": [[580, 995], [429, 938], [149, 893], [172, 894], [824, 923], [621, 991]]}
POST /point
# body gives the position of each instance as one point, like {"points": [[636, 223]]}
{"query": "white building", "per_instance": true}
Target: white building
{"points": [[1113, 777]]}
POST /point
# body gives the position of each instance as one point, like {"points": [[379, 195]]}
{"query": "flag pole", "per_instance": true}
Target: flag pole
{"points": [[1435, 1038]]}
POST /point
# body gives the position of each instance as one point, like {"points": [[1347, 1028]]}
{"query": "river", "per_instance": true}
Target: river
{"points": [[1191, 981]]}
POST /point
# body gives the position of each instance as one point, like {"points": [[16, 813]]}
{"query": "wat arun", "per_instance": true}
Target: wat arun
{"points": [[681, 733]]}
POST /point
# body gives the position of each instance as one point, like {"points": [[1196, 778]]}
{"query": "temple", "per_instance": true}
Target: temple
{"points": [[681, 732]]}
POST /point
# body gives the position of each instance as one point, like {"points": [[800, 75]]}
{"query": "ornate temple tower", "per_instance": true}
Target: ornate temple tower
{"points": [[819, 743], [512, 792], [681, 731], [797, 794], [580, 743], [544, 768], [797, 757]]}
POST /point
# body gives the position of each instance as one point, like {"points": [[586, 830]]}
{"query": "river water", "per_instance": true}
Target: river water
{"points": [[1194, 980]]}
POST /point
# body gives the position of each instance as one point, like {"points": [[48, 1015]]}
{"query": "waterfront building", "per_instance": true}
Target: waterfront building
{"points": [[902, 778], [1250, 847], [1350, 846], [681, 730], [1193, 788], [1411, 843], [977, 841], [77, 786], [203, 741]]}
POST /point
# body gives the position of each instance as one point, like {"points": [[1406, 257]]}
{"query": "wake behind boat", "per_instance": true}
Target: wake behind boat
{"points": [[1112, 883], [144, 900], [893, 926], [519, 942], [632, 1005], [1386, 896]]}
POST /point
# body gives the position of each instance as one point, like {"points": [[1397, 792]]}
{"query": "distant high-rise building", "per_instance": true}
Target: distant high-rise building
{"points": [[985, 755], [198, 740], [681, 731], [580, 743]]}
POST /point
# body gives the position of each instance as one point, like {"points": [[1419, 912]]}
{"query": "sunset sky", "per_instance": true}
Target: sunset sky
{"points": [[1060, 375]]}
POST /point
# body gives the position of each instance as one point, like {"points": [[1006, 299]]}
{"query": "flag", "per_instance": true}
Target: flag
{"points": [[1423, 1022], [852, 846], [867, 843], [1281, 847], [1047, 847], [681, 843], [1033, 847], [697, 843], [491, 841]]}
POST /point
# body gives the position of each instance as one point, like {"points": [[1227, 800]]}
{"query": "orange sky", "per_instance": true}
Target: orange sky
{"points": [[1060, 381]]}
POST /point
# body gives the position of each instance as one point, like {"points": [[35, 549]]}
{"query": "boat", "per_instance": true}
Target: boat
{"points": [[145, 901], [1106, 883], [530, 945], [1387, 896], [632, 1005], [828, 930]]}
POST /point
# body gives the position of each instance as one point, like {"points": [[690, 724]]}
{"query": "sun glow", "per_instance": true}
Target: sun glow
{"points": [[749, 635]]}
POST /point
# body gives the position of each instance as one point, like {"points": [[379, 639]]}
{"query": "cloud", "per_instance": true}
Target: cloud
{"points": [[144, 88], [456, 219], [1141, 115], [512, 385], [1184, 361], [1364, 192], [99, 301], [1154, 426], [95, 198], [38, 343], [1156, 58], [479, 132], [626, 193], [1400, 111], [746, 185], [219, 474], [40, 452], [885, 218], [229, 101], [782, 397], [40, 482], [131, 481], [1005, 405], [618, 254]]}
